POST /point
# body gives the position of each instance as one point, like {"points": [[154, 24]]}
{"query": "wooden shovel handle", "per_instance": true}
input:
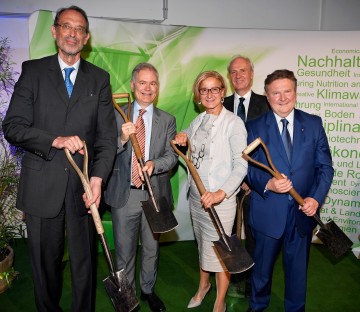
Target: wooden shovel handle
{"points": [[135, 143], [200, 186], [86, 185], [273, 171], [192, 169], [133, 139]]}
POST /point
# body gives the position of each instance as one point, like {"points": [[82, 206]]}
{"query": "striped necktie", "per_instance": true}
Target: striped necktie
{"points": [[140, 135]]}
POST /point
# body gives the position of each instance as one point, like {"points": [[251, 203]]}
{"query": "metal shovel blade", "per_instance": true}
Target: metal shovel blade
{"points": [[122, 295], [160, 221], [334, 239], [237, 259]]}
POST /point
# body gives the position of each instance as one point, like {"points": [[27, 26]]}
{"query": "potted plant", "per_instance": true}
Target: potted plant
{"points": [[11, 224]]}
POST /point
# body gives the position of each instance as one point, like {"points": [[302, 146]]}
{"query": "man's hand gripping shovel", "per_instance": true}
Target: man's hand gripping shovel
{"points": [[121, 293]]}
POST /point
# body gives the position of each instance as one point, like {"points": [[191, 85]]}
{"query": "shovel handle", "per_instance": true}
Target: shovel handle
{"points": [[200, 186], [272, 170], [86, 185], [133, 139], [135, 144]]}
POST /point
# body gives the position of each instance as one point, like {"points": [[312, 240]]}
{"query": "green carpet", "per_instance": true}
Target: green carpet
{"points": [[332, 285]]}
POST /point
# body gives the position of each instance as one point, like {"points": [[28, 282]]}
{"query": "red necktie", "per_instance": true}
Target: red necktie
{"points": [[140, 135]]}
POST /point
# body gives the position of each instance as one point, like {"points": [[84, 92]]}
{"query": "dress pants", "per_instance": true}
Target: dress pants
{"points": [[128, 222], [296, 251], [46, 245]]}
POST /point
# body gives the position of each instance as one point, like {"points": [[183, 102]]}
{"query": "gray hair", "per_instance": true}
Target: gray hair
{"points": [[235, 57], [142, 66]]}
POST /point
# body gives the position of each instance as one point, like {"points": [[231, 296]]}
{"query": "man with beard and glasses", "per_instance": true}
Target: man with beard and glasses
{"points": [[58, 102]]}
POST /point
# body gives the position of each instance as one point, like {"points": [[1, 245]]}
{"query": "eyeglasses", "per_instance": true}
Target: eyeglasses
{"points": [[67, 28], [214, 90], [144, 84]]}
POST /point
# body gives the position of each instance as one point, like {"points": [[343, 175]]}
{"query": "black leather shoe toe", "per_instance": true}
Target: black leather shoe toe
{"points": [[155, 303]]}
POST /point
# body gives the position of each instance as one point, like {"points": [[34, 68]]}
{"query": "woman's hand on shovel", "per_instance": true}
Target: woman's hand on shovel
{"points": [[209, 199], [95, 185], [181, 139]]}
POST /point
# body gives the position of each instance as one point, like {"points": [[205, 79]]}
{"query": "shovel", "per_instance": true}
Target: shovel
{"points": [[158, 213], [117, 285], [230, 249], [329, 233]]}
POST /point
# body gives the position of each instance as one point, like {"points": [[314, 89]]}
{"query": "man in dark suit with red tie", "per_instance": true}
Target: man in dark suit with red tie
{"points": [[58, 102], [247, 105], [299, 149]]}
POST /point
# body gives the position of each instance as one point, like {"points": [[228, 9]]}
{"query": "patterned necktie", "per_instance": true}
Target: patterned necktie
{"points": [[285, 136], [241, 109], [68, 83], [140, 135]]}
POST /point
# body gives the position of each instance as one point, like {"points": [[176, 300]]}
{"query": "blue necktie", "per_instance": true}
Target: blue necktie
{"points": [[285, 135], [241, 109], [69, 85]]}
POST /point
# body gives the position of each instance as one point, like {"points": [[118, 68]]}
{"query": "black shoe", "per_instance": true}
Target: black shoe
{"points": [[155, 303]]}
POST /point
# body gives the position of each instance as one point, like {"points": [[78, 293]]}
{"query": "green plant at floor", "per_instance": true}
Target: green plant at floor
{"points": [[9, 275], [11, 224]]}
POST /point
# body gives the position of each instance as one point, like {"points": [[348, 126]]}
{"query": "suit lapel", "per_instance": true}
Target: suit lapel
{"points": [[80, 86], [154, 131], [298, 136], [275, 137], [229, 103], [253, 108], [56, 78]]}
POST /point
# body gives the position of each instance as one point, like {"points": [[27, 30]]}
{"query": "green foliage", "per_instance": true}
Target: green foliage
{"points": [[11, 225], [9, 276]]}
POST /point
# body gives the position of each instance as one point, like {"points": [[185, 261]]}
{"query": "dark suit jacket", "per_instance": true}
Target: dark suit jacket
{"points": [[310, 171], [258, 105], [40, 110], [162, 132]]}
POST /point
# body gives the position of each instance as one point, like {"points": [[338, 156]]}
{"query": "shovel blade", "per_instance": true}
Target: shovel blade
{"points": [[237, 259], [121, 293], [334, 239], [161, 221]]}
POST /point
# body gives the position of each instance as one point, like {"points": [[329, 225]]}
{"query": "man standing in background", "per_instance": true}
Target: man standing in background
{"points": [[247, 105], [58, 102]]}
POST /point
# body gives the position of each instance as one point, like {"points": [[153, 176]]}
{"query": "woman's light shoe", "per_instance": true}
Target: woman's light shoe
{"points": [[195, 303]]}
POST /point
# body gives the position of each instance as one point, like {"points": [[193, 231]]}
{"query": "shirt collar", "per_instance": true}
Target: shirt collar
{"points": [[289, 118], [149, 109], [246, 96], [64, 65]]}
